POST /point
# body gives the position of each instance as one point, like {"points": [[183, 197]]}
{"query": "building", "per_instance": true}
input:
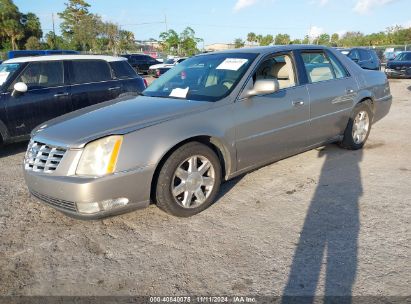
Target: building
{"points": [[219, 47]]}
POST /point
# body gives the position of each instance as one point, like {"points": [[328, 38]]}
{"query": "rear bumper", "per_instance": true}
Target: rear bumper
{"points": [[382, 107], [64, 193]]}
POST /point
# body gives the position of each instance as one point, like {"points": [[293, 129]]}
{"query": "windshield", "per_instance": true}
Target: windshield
{"points": [[404, 57], [7, 70], [206, 77]]}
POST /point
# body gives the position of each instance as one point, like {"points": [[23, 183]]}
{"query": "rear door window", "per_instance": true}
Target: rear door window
{"points": [[122, 69], [317, 66], [86, 71], [38, 75]]}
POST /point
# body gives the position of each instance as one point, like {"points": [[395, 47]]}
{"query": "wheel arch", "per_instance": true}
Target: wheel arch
{"points": [[365, 96], [212, 142]]}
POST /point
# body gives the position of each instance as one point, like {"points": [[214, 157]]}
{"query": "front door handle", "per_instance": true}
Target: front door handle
{"points": [[349, 91], [61, 94], [297, 103], [114, 88]]}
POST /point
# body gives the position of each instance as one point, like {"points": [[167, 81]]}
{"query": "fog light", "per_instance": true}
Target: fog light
{"points": [[90, 208], [113, 203]]}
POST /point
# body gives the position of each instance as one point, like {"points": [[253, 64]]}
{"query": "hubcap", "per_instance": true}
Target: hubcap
{"points": [[360, 127], [193, 181]]}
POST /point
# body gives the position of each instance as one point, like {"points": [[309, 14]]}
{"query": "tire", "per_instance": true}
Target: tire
{"points": [[352, 140], [178, 185]]}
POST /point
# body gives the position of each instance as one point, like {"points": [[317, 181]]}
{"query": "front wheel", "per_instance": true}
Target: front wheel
{"points": [[189, 180], [358, 127]]}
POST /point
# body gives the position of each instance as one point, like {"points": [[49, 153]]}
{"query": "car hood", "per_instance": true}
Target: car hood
{"points": [[394, 64], [160, 66], [119, 116]]}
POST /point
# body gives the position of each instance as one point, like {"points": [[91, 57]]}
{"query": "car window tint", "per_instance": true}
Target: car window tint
{"points": [[340, 71], [317, 66], [365, 55], [278, 68], [374, 55], [39, 75], [122, 69], [354, 55], [85, 71]]}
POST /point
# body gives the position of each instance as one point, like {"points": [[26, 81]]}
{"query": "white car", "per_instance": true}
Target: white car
{"points": [[159, 69]]}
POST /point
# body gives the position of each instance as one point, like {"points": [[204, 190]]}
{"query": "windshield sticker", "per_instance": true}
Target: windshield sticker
{"points": [[3, 77], [179, 93], [232, 64]]}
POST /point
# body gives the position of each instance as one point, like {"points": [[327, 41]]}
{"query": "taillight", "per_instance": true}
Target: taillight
{"points": [[145, 83], [158, 73]]}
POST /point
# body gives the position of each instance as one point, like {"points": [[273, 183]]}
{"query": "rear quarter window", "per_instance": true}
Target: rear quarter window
{"points": [[122, 70], [85, 71]]}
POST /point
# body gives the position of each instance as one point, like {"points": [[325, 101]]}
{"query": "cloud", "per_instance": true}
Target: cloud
{"points": [[240, 4], [319, 2], [365, 6], [315, 31]]}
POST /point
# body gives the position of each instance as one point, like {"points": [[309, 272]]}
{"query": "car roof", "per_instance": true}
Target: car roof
{"points": [[63, 57], [270, 49]]}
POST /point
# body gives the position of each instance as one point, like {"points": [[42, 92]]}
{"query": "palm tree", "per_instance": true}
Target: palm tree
{"points": [[251, 37]]}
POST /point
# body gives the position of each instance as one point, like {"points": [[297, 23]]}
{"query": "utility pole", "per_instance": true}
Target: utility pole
{"points": [[54, 30], [165, 22]]}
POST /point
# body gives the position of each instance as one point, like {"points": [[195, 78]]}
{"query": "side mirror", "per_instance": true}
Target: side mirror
{"points": [[355, 59], [264, 86], [19, 89]]}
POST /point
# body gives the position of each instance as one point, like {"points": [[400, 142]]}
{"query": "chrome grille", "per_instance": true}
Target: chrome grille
{"points": [[54, 202], [42, 157]]}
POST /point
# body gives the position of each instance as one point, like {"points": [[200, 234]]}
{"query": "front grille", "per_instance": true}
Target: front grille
{"points": [[54, 202], [42, 157]]}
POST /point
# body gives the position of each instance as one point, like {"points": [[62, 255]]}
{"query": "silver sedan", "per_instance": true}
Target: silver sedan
{"points": [[211, 118]]}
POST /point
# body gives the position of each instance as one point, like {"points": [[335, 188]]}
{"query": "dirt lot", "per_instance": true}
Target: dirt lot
{"points": [[327, 221]]}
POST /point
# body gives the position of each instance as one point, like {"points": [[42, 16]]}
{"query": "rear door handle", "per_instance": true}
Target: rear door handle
{"points": [[61, 94], [297, 103], [114, 88]]}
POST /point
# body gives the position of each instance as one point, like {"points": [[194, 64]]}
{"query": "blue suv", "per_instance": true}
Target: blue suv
{"points": [[36, 89]]}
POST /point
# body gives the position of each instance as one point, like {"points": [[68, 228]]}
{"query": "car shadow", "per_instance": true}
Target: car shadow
{"points": [[409, 88], [12, 149], [227, 186], [329, 237]]}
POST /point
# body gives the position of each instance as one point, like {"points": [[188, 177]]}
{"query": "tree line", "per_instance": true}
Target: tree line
{"points": [[395, 35], [81, 30]]}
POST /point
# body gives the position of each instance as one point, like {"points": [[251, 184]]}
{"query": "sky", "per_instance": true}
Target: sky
{"points": [[222, 21]]}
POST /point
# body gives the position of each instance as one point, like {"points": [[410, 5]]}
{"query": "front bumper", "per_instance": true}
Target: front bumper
{"points": [[391, 73], [65, 192]]}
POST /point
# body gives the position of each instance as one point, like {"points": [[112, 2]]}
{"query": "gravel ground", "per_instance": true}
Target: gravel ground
{"points": [[328, 221]]}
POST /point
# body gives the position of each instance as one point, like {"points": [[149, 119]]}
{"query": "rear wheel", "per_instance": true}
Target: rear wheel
{"points": [[358, 127], [189, 180]]}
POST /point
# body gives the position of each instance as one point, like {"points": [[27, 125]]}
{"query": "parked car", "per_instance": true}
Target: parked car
{"points": [[36, 89], [391, 54], [400, 67], [365, 58], [141, 62], [27, 53], [159, 69], [210, 118]]}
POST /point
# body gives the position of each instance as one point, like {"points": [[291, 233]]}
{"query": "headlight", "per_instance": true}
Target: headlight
{"points": [[100, 157]]}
